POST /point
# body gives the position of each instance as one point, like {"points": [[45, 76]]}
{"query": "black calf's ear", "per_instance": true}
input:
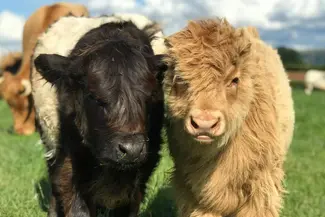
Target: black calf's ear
{"points": [[160, 63], [52, 66], [160, 66]]}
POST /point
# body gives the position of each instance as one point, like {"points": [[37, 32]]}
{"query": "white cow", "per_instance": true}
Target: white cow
{"points": [[314, 79]]}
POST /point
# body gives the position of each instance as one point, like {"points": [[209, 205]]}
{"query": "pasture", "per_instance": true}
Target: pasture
{"points": [[24, 187]]}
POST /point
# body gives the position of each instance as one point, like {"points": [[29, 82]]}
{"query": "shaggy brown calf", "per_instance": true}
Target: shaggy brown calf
{"points": [[16, 89], [231, 121]]}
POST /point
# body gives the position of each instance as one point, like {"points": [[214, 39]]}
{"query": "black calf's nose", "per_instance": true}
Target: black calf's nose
{"points": [[130, 150]]}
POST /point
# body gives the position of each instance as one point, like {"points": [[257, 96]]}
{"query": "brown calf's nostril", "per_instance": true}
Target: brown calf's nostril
{"points": [[216, 123], [195, 125]]}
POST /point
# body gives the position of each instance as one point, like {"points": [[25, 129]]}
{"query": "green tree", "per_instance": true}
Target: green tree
{"points": [[290, 57]]}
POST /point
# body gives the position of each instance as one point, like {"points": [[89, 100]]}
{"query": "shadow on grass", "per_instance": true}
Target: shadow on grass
{"points": [[8, 130], [163, 205], [43, 191]]}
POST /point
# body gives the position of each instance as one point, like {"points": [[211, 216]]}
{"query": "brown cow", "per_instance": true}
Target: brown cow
{"points": [[16, 90], [10, 62]]}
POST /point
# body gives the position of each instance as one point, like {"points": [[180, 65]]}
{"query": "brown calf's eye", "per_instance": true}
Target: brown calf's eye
{"points": [[235, 81]]}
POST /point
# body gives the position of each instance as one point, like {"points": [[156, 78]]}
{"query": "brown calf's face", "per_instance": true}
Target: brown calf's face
{"points": [[208, 84], [12, 90]]}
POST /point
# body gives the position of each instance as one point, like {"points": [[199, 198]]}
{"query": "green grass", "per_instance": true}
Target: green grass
{"points": [[24, 186]]}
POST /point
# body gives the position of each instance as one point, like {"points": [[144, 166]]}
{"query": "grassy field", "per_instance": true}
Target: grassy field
{"points": [[24, 186]]}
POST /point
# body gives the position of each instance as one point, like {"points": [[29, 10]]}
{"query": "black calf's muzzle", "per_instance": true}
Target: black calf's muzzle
{"points": [[130, 148]]}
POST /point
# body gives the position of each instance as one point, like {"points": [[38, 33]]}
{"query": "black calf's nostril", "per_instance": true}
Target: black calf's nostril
{"points": [[194, 124], [122, 149]]}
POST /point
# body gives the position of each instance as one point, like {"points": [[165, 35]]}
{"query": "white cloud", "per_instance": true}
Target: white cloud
{"points": [[301, 47], [301, 8], [238, 12], [277, 20], [298, 23], [11, 30], [11, 26], [122, 5]]}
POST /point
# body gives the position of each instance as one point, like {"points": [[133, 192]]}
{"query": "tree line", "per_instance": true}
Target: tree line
{"points": [[293, 60]]}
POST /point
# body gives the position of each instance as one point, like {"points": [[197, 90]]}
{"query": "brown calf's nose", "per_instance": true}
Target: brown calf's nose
{"points": [[204, 124]]}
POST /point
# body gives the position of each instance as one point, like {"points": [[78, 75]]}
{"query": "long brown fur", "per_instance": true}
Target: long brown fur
{"points": [[239, 174]]}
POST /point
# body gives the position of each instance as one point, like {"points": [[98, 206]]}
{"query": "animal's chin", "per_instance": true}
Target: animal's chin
{"points": [[111, 164]]}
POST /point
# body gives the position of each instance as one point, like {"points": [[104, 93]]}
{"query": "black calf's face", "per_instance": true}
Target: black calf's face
{"points": [[113, 89], [120, 91]]}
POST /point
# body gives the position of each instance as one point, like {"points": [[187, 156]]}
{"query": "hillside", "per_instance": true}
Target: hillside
{"points": [[313, 57]]}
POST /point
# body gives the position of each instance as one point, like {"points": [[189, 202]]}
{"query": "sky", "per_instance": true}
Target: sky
{"points": [[299, 24]]}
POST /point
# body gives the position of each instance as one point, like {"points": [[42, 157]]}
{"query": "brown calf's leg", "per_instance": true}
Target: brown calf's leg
{"points": [[261, 205], [187, 208], [249, 210], [189, 211]]}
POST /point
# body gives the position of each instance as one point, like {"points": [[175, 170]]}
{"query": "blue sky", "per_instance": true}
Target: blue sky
{"points": [[25, 7], [294, 23]]}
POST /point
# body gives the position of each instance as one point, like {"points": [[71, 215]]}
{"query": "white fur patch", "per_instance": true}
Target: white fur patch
{"points": [[28, 87], [60, 39]]}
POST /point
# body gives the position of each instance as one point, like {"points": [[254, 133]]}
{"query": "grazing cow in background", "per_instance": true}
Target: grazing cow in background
{"points": [[314, 79], [99, 103], [230, 121], [16, 90], [10, 63]]}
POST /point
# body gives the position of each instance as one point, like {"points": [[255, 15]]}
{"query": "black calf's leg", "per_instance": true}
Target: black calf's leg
{"points": [[79, 207], [69, 201], [131, 210], [53, 208], [123, 211]]}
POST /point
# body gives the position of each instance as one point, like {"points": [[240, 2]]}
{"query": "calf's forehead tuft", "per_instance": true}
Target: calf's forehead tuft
{"points": [[206, 47]]}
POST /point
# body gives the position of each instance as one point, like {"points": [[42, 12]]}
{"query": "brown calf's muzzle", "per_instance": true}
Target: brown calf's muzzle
{"points": [[205, 125]]}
